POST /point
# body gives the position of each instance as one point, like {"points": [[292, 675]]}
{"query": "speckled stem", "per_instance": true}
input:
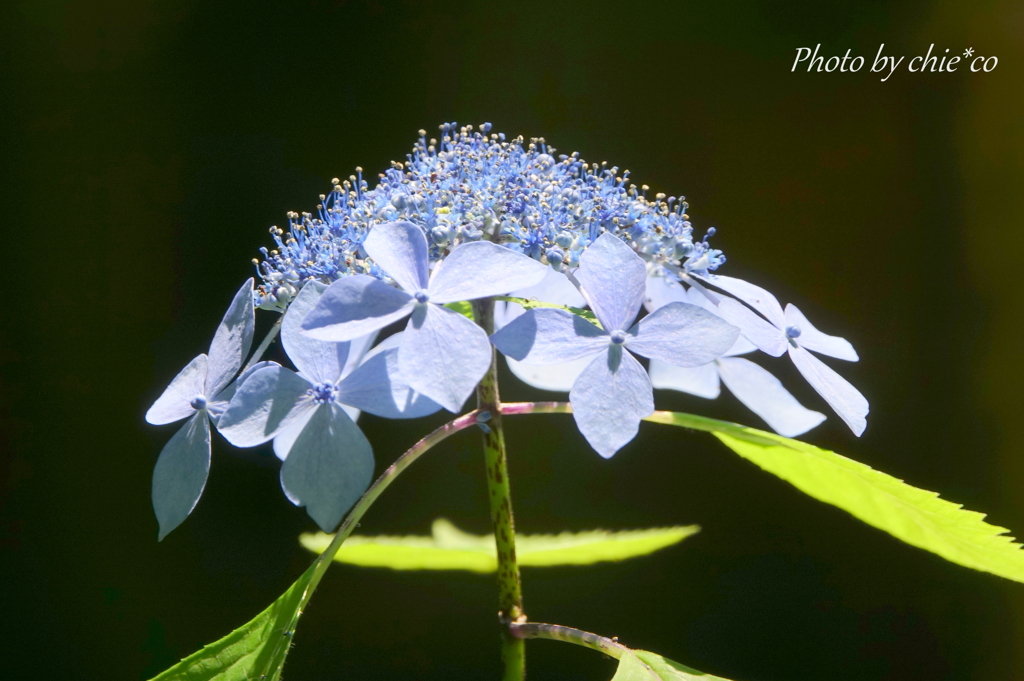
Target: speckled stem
{"points": [[557, 632], [510, 590]]}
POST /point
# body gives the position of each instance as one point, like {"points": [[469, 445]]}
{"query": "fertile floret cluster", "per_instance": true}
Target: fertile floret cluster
{"points": [[471, 184]]}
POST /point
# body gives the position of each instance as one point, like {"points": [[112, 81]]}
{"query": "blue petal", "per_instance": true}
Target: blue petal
{"points": [[329, 467], [682, 334], [661, 290], [231, 343], [549, 336], [846, 400], [764, 395], [609, 399], [180, 473], [614, 280], [815, 340], [318, 361], [766, 337], [216, 407], [701, 381], [355, 306], [481, 269], [443, 355], [755, 296], [284, 440], [377, 387], [555, 377], [268, 402], [400, 249], [176, 401]]}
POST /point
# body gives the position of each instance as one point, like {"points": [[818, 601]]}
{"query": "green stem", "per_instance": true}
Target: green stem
{"points": [[557, 632], [510, 590], [366, 501], [271, 335]]}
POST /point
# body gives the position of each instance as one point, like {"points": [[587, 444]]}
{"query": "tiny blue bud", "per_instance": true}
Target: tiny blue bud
{"points": [[322, 393], [555, 256], [793, 331], [421, 296], [439, 235], [618, 337], [198, 402], [564, 239]]}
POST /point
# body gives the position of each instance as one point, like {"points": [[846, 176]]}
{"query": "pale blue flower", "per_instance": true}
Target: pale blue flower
{"points": [[613, 393], [328, 462], [442, 354], [468, 185], [554, 288], [200, 391], [789, 331], [756, 388]]}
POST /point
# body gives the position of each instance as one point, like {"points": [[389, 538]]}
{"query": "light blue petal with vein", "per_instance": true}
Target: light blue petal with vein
{"points": [[377, 387], [764, 395], [284, 440], [329, 466], [549, 336], [268, 402], [217, 406], [682, 334], [232, 341], [609, 399], [766, 337], [614, 280], [701, 381], [355, 306], [176, 401], [400, 249], [481, 269], [180, 473], [755, 296], [555, 377], [318, 361], [443, 355], [662, 290], [846, 400], [815, 340]]}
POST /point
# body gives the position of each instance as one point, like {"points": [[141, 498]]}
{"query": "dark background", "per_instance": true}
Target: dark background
{"points": [[148, 145]]}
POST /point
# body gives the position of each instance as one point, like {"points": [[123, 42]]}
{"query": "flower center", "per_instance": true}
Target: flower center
{"points": [[618, 337], [792, 332], [322, 393], [198, 402], [421, 296]]}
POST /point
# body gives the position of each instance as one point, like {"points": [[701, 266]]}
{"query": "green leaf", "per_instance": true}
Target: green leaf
{"points": [[641, 665], [915, 516], [449, 548], [529, 304], [463, 307], [253, 651]]}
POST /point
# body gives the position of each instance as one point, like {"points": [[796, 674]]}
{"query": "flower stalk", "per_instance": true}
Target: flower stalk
{"points": [[510, 591]]}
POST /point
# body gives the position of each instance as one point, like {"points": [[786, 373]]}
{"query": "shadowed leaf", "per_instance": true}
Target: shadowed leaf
{"points": [[449, 548]]}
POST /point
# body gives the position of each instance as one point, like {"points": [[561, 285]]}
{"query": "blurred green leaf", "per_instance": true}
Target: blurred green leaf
{"points": [[449, 548], [255, 650], [463, 307], [529, 304], [642, 665], [915, 516]]}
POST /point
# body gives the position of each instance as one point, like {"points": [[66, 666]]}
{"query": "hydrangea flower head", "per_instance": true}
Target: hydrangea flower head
{"points": [[328, 462], [442, 354], [789, 331], [200, 391], [471, 183], [613, 393], [755, 387]]}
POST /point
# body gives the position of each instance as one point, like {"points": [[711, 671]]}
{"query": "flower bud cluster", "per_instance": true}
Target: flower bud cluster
{"points": [[471, 184]]}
